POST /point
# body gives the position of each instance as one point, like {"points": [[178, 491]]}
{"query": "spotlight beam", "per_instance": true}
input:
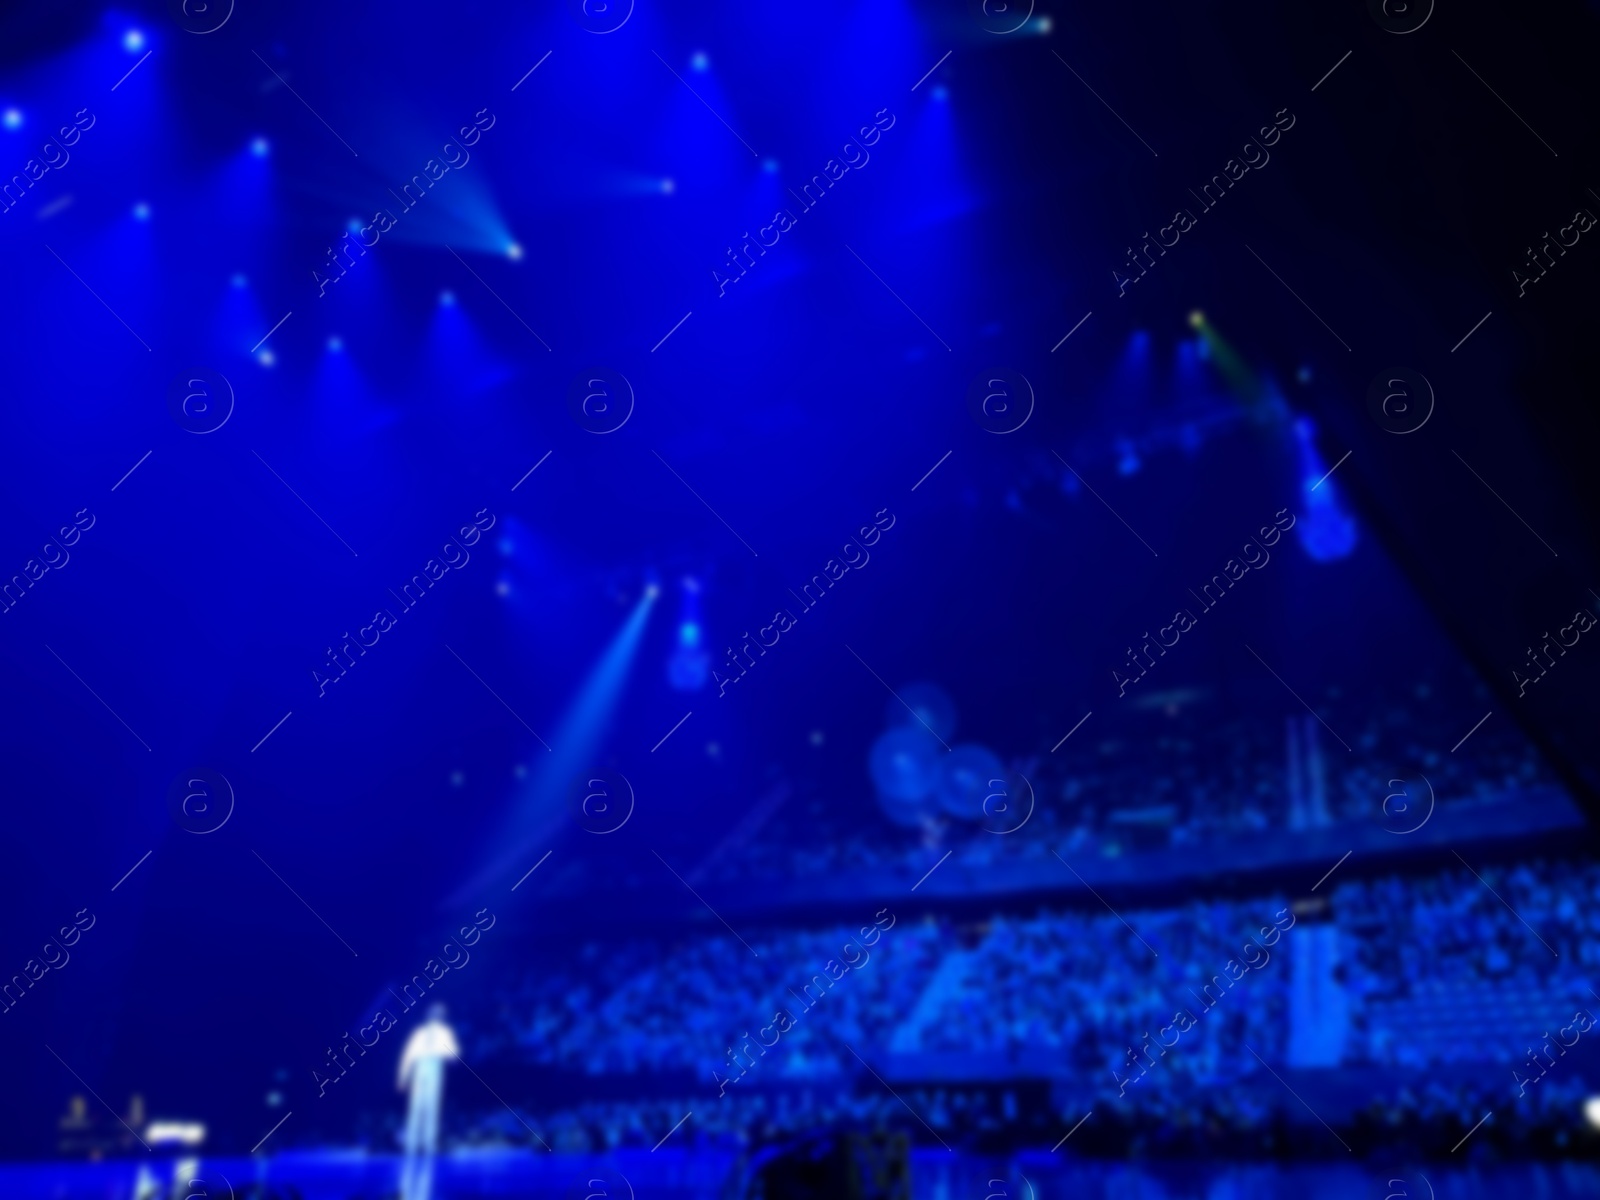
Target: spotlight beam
{"points": [[534, 814]]}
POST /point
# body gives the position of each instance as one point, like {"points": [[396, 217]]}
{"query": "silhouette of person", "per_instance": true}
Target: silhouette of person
{"points": [[422, 1068]]}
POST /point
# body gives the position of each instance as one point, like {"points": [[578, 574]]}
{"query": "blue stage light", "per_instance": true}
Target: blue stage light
{"points": [[690, 666], [133, 41], [580, 734], [514, 251], [239, 280], [667, 186], [1326, 530], [770, 166], [13, 118], [447, 299], [1128, 461], [260, 147], [267, 358], [940, 92], [700, 61], [904, 764], [335, 344], [141, 211]]}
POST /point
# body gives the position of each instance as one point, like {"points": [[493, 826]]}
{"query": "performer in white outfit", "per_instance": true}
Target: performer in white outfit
{"points": [[422, 1067]]}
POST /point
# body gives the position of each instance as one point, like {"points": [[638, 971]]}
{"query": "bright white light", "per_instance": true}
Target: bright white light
{"points": [[141, 211], [1591, 1111], [185, 1133], [133, 41], [514, 252], [260, 147], [13, 118]]}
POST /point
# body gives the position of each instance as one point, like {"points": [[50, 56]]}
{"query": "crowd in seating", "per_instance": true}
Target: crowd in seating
{"points": [[1525, 932], [1066, 994], [681, 1006], [1182, 776], [1429, 1117], [958, 1115], [1087, 985]]}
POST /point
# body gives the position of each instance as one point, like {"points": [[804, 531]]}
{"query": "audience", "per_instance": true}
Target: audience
{"points": [[1064, 995], [1178, 775]]}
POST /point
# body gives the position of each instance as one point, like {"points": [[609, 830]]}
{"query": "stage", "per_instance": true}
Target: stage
{"points": [[669, 1175]]}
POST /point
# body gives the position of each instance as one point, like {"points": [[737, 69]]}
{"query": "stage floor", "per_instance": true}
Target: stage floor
{"points": [[690, 1175]]}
